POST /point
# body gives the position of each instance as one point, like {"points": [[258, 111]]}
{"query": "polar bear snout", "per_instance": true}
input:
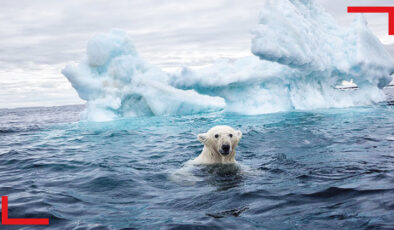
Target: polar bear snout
{"points": [[225, 149]]}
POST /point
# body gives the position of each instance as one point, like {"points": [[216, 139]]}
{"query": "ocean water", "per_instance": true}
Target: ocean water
{"points": [[320, 169]]}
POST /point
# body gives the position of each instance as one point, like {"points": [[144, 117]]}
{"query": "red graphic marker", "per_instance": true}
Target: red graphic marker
{"points": [[376, 9], [6, 221]]}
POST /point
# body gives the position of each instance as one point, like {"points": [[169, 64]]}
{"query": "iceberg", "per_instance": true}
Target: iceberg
{"points": [[116, 82], [299, 57]]}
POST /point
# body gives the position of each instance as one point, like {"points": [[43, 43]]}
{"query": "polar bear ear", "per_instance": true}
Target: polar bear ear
{"points": [[202, 137], [239, 134]]}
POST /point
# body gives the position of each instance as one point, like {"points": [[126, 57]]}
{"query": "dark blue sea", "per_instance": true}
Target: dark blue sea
{"points": [[320, 169]]}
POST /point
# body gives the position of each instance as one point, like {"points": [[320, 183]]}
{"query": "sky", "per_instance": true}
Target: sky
{"points": [[38, 38]]}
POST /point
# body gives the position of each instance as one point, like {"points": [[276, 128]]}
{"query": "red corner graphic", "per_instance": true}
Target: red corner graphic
{"points": [[376, 9], [6, 221]]}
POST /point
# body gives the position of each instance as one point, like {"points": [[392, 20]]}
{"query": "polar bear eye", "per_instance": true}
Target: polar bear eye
{"points": [[231, 135], [216, 135]]}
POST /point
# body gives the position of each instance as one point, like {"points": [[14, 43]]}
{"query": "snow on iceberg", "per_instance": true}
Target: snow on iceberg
{"points": [[301, 54], [116, 82], [300, 34]]}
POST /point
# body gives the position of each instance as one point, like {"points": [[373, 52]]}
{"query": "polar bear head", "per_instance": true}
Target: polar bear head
{"points": [[221, 140]]}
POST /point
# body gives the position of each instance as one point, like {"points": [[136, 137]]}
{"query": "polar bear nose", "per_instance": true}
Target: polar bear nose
{"points": [[226, 148]]}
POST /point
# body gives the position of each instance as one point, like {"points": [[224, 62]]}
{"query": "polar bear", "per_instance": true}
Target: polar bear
{"points": [[219, 145]]}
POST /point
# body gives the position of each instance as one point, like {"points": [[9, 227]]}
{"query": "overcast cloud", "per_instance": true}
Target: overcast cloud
{"points": [[38, 38]]}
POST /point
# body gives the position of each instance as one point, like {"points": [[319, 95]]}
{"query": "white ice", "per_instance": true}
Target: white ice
{"points": [[300, 56], [116, 82]]}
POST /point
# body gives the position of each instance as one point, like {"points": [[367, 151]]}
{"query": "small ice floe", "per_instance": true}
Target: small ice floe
{"points": [[391, 84], [347, 85], [390, 138]]}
